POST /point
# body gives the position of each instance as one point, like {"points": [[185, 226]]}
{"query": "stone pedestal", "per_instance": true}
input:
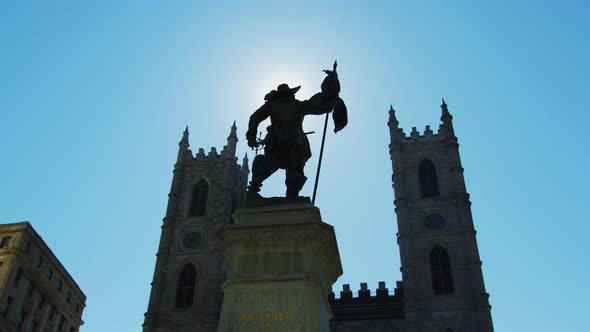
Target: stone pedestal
{"points": [[282, 260]]}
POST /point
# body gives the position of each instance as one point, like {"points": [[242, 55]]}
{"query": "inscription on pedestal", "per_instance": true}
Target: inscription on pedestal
{"points": [[279, 263], [264, 321]]}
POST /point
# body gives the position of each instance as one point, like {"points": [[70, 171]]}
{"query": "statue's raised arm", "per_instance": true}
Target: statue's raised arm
{"points": [[329, 100]]}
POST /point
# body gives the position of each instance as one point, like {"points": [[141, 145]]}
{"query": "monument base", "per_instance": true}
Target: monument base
{"points": [[282, 260]]}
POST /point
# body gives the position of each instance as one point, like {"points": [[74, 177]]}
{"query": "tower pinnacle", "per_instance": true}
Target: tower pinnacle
{"points": [[445, 110], [232, 141], [232, 133], [392, 118], [184, 139], [446, 118], [183, 146], [395, 133], [245, 167]]}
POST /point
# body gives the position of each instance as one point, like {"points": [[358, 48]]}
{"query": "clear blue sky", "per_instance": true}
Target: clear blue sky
{"points": [[94, 96]]}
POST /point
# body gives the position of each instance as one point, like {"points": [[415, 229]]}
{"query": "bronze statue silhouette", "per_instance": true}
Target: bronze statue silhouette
{"points": [[286, 145]]}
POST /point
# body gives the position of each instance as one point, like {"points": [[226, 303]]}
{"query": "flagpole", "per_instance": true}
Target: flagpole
{"points": [[317, 176]]}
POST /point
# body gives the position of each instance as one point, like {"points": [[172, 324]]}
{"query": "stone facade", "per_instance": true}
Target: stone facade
{"points": [[442, 288], [36, 292], [434, 220], [282, 259], [188, 237]]}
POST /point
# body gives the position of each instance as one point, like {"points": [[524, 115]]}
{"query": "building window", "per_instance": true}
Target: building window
{"points": [[78, 307], [51, 312], [62, 323], [27, 247], [33, 327], [21, 318], [6, 306], [41, 301], [5, 241], [39, 261], [69, 296], [186, 286], [30, 290], [199, 199], [440, 269], [59, 285], [49, 274], [17, 276], [428, 179]]}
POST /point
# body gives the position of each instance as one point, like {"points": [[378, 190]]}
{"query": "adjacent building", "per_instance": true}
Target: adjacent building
{"points": [[36, 292]]}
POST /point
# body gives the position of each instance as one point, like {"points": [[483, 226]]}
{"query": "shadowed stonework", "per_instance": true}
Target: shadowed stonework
{"points": [[282, 260], [284, 254]]}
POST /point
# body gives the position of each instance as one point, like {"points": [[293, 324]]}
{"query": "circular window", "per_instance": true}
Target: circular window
{"points": [[435, 221], [192, 240]]}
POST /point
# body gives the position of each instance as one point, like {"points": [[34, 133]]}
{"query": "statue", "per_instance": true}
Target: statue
{"points": [[286, 145]]}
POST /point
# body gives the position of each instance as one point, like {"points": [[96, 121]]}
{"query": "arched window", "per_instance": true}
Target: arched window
{"points": [[199, 200], [428, 179], [440, 269], [185, 291]]}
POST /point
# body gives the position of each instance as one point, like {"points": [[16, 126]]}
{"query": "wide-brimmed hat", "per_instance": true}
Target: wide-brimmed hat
{"points": [[284, 88]]}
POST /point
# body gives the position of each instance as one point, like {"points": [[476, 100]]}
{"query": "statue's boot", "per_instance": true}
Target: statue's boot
{"points": [[294, 182], [262, 168]]}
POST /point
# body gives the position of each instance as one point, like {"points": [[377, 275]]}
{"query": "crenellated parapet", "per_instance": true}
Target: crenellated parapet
{"points": [[444, 131], [407, 150], [228, 153], [366, 304], [365, 292], [211, 155], [222, 172]]}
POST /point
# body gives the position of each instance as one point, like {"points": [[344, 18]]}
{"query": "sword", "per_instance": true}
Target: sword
{"points": [[260, 143]]}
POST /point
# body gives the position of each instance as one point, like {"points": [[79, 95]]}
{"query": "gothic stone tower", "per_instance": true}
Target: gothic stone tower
{"points": [[441, 267], [206, 189]]}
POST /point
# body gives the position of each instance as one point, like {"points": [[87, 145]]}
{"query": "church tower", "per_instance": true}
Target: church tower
{"points": [[441, 268], [206, 189]]}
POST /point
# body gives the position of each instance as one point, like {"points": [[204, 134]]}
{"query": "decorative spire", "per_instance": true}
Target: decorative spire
{"points": [[183, 146], [445, 110], [184, 139], [232, 141], [392, 118], [245, 167], [395, 133], [446, 117], [232, 133], [233, 136]]}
